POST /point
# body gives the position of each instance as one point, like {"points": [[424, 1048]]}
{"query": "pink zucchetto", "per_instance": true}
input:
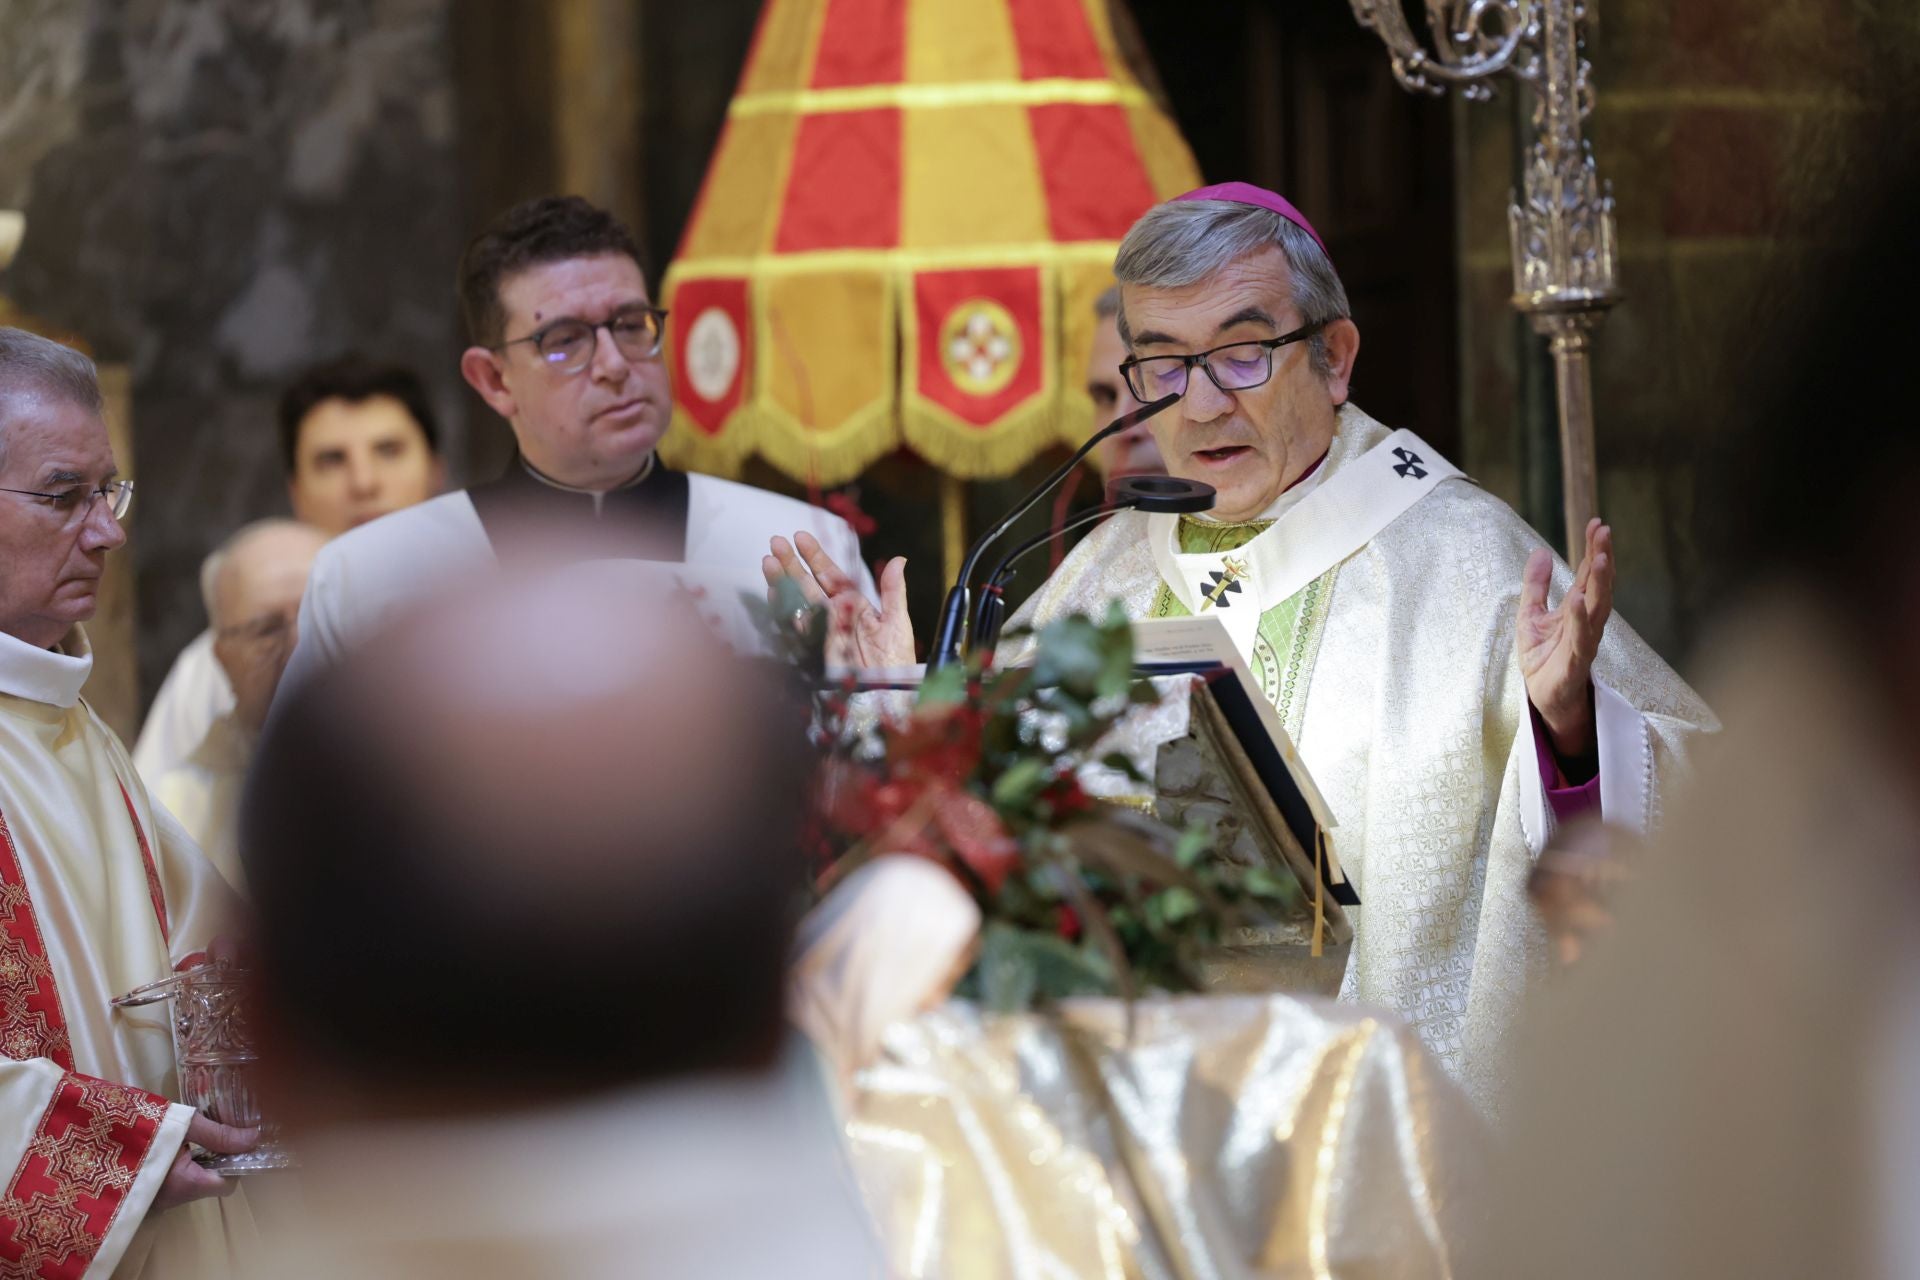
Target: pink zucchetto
{"points": [[1261, 198]]}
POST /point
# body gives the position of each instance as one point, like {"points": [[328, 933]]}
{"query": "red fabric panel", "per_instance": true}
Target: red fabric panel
{"points": [[693, 300], [1055, 40], [63, 1197], [861, 42], [1096, 183], [844, 191], [153, 872], [31, 1023], [936, 297]]}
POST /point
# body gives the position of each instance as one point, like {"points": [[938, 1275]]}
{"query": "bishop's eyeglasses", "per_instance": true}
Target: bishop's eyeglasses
{"points": [[76, 504], [566, 346], [1238, 366]]}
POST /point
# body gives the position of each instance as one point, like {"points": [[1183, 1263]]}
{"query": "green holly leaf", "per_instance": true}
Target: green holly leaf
{"points": [[1018, 967], [946, 687], [1024, 780]]}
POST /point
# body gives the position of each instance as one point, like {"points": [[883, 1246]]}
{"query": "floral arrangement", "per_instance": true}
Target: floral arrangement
{"points": [[1077, 896]]}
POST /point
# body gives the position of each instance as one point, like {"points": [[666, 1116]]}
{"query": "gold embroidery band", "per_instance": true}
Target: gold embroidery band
{"points": [[867, 97]]}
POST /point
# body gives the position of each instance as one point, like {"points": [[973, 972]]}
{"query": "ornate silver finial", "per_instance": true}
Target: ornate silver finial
{"points": [[1561, 220]]}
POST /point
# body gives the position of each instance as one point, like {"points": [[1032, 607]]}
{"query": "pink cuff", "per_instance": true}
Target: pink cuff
{"points": [[1567, 801]]}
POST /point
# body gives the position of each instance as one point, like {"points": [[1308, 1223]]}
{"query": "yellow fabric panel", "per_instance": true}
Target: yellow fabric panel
{"points": [[1080, 283], [1169, 164], [946, 149], [824, 398], [746, 181], [783, 55], [949, 40]]}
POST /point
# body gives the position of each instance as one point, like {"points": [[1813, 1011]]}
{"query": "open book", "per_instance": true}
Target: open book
{"points": [[1220, 758], [1238, 755]]}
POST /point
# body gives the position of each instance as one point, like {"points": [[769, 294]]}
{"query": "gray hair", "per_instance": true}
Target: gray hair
{"points": [[216, 560], [1182, 242], [33, 365], [1107, 305]]}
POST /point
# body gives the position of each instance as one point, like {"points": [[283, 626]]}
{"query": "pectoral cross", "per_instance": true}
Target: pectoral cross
{"points": [[1225, 579]]}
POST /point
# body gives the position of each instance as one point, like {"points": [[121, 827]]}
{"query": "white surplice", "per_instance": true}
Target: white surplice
{"points": [[1403, 693], [365, 578], [100, 892], [723, 1177], [195, 693], [202, 793]]}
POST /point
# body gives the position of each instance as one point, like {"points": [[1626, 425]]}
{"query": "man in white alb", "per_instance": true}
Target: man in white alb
{"points": [[1394, 613], [100, 891], [253, 600], [567, 348]]}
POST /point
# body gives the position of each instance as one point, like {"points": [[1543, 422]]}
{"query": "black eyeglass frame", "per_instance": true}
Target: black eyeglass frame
{"points": [[1301, 334], [659, 315]]}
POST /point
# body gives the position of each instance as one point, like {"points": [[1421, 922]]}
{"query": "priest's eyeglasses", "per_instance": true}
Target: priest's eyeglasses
{"points": [[1238, 366], [566, 346], [76, 504]]}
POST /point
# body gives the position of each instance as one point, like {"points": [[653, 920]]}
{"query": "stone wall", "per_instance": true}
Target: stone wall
{"points": [[219, 192], [1717, 121]]}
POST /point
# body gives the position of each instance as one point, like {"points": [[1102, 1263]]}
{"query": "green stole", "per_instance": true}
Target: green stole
{"points": [[1288, 639]]}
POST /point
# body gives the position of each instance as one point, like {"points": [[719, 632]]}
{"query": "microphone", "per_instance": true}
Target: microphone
{"points": [[950, 641], [1145, 493]]}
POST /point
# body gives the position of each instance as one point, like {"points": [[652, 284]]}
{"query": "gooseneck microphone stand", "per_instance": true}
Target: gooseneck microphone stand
{"points": [[950, 641], [1143, 493]]}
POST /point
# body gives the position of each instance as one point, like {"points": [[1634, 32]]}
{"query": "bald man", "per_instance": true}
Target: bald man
{"points": [[252, 586]]}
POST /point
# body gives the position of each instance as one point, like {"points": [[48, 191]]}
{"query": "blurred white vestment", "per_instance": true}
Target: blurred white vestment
{"points": [[723, 1178], [195, 693], [1726, 1084], [202, 792]]}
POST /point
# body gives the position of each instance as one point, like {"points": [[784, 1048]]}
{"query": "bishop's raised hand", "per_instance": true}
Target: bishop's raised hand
{"points": [[861, 635], [1556, 646]]}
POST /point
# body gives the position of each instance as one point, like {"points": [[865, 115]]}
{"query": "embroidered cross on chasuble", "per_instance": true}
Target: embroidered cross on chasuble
{"points": [[1289, 632]]}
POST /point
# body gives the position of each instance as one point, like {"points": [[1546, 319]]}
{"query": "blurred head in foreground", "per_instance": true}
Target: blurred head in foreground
{"points": [[500, 859], [1725, 1084]]}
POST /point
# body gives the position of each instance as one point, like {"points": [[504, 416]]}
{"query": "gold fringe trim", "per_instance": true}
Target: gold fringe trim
{"points": [[831, 457], [981, 453]]}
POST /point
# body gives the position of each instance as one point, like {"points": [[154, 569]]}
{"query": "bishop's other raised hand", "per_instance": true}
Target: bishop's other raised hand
{"points": [[861, 635], [1556, 646]]}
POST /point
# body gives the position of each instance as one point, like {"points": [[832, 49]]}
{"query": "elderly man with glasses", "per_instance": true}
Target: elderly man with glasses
{"points": [[1396, 615], [566, 348], [100, 891]]}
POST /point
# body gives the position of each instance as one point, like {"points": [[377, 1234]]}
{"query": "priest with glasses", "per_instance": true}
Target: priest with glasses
{"points": [[1402, 620], [566, 346]]}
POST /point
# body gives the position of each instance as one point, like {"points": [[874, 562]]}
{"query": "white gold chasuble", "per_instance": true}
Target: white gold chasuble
{"points": [[100, 891], [1404, 696]]}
